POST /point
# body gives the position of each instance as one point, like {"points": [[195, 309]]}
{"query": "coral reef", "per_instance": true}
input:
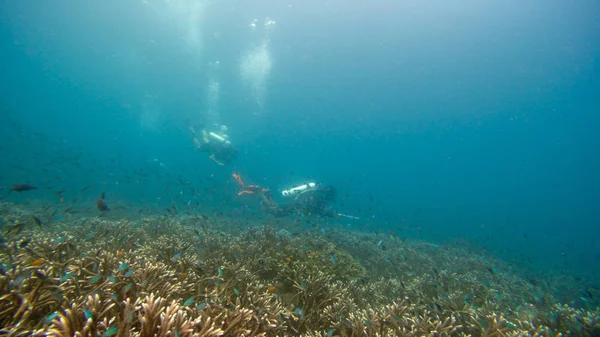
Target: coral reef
{"points": [[194, 276]]}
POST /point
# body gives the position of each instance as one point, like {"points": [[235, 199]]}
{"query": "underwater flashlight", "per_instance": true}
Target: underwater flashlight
{"points": [[295, 190]]}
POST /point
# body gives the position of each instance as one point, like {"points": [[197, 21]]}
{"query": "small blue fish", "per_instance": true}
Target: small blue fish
{"points": [[59, 241], [88, 314], [201, 306], [66, 277], [220, 271], [129, 273], [127, 287], [188, 302], [95, 279], [50, 318], [333, 259], [176, 256], [498, 296], [112, 279], [330, 332], [110, 332], [123, 266], [236, 291], [90, 235]]}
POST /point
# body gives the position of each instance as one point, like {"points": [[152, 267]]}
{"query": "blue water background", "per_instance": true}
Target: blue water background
{"points": [[444, 120]]}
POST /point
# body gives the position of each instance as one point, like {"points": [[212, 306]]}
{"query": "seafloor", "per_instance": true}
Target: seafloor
{"points": [[204, 276]]}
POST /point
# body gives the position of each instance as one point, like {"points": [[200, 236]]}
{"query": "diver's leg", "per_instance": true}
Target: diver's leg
{"points": [[212, 157]]}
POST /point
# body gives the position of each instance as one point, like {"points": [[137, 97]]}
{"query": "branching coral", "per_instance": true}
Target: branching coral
{"points": [[194, 276]]}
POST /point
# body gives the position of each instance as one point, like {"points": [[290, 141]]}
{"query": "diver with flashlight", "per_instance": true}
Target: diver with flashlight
{"points": [[310, 199], [217, 144], [306, 199]]}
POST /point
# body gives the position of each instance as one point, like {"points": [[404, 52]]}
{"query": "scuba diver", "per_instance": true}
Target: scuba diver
{"points": [[217, 144], [307, 199]]}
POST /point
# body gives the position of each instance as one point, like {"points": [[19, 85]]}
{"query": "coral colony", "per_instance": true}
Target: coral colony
{"points": [[200, 276]]}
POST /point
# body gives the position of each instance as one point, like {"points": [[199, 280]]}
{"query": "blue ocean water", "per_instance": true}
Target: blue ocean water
{"points": [[442, 121]]}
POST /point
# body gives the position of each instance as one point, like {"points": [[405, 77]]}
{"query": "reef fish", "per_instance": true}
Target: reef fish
{"points": [[188, 302], [101, 204], [37, 221], [22, 187], [16, 229], [110, 332]]}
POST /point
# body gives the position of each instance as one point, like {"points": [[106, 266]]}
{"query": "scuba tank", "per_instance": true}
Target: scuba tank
{"points": [[217, 137]]}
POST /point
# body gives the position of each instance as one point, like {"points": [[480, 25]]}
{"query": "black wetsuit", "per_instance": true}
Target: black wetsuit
{"points": [[225, 154], [222, 153], [314, 202]]}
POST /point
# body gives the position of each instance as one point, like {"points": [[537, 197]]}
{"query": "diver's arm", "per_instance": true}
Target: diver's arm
{"points": [[266, 199], [272, 207]]}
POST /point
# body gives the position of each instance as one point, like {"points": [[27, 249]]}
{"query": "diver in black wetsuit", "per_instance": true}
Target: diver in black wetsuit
{"points": [[308, 199]]}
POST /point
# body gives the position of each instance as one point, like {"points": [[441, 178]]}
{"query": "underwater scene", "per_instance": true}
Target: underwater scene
{"points": [[344, 168]]}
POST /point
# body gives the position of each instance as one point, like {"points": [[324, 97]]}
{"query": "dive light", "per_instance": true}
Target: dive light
{"points": [[298, 189]]}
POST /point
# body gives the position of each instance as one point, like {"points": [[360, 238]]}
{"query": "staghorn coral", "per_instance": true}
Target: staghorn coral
{"points": [[192, 276], [312, 296]]}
